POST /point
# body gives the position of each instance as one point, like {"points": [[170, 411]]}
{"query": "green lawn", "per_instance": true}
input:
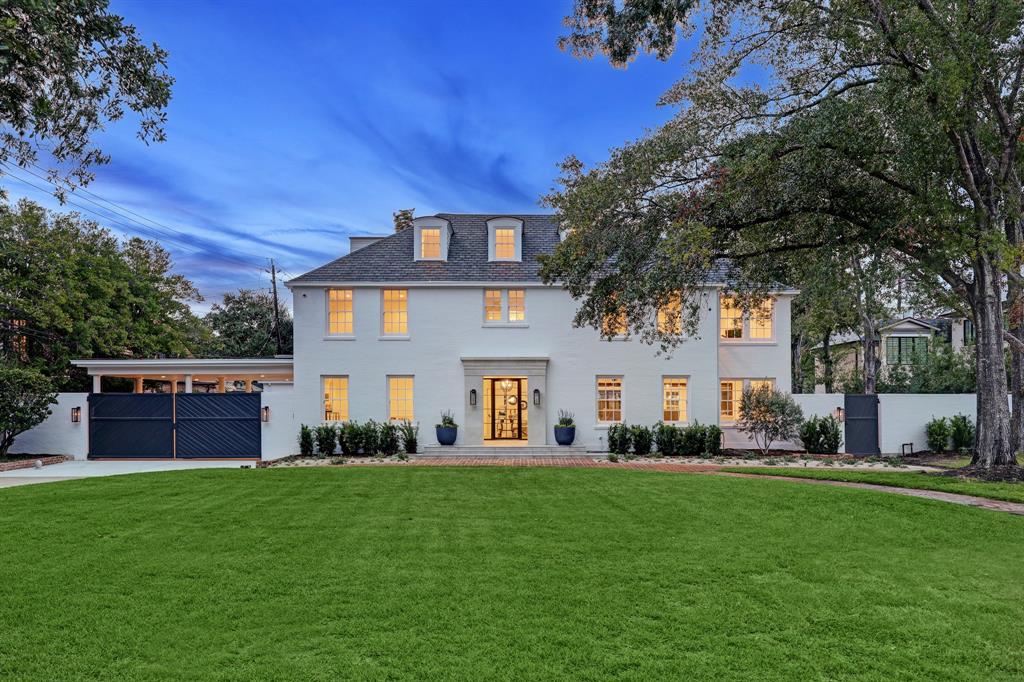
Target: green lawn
{"points": [[500, 573], [1012, 492]]}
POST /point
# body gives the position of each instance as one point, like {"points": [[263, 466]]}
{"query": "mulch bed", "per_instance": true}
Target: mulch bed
{"points": [[1005, 474]]}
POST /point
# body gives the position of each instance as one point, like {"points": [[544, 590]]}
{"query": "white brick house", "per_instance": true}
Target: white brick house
{"points": [[450, 315]]}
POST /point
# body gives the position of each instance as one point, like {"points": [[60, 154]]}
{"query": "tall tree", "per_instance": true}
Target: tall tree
{"points": [[243, 325], [67, 67], [69, 289], [890, 125]]}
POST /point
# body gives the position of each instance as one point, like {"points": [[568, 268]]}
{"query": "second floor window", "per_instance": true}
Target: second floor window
{"points": [[905, 350], [670, 317], [504, 244], [504, 305], [430, 243], [396, 312], [757, 325], [339, 311]]}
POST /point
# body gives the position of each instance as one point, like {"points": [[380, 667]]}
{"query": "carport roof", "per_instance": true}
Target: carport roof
{"points": [[281, 365]]}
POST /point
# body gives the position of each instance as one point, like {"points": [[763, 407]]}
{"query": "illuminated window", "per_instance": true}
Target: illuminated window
{"points": [[339, 311], [430, 243], [516, 305], [731, 391], [731, 319], [19, 342], [335, 399], [761, 321], [400, 398], [504, 243], [673, 399], [670, 317], [609, 399], [762, 383], [615, 324], [396, 312], [492, 305]]}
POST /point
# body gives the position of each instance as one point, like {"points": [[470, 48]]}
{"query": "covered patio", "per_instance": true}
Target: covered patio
{"points": [[189, 375]]}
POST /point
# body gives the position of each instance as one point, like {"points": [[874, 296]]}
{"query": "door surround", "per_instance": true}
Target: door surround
{"points": [[533, 369]]}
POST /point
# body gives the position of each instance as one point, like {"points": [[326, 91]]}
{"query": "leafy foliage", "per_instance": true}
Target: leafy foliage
{"points": [[667, 439], [938, 433], [642, 438], [821, 435], [448, 420], [243, 326], [326, 439], [410, 436], [350, 438], [306, 446], [388, 439], [67, 69], [566, 419], [768, 415], [961, 431], [620, 439], [25, 399]]}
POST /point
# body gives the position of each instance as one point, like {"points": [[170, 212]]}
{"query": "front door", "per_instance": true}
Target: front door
{"points": [[506, 408]]}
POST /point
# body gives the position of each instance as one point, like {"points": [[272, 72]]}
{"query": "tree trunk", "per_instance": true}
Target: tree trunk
{"points": [[826, 362], [797, 360], [1016, 329], [871, 359], [993, 443]]}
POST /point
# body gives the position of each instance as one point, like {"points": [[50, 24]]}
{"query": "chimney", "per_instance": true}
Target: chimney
{"points": [[403, 218]]}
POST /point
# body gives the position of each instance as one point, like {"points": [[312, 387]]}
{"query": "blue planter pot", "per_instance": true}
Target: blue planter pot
{"points": [[446, 435], [565, 435]]}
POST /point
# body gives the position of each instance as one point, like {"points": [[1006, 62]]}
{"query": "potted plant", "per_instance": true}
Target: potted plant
{"points": [[447, 430], [565, 429]]}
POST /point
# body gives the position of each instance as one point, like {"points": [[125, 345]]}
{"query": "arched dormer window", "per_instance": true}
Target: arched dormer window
{"points": [[505, 239], [431, 238]]}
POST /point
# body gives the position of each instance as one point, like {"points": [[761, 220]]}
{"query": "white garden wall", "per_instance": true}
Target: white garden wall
{"points": [[280, 434], [902, 416], [58, 435]]}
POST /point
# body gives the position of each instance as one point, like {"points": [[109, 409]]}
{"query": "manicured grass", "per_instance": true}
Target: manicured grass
{"points": [[500, 573], [1011, 492]]}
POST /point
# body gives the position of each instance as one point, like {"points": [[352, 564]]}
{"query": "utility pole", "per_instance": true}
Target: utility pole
{"points": [[277, 309]]}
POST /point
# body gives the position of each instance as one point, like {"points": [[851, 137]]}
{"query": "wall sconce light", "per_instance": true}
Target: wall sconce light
{"points": [[265, 414], [76, 415], [472, 397], [838, 413], [536, 396]]}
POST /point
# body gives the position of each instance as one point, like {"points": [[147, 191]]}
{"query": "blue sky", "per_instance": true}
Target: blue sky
{"points": [[294, 125]]}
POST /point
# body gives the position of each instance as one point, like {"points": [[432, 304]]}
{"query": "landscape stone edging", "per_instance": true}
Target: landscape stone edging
{"points": [[31, 462]]}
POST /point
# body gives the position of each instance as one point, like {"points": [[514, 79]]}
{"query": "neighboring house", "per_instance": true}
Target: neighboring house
{"points": [[902, 342], [450, 314]]}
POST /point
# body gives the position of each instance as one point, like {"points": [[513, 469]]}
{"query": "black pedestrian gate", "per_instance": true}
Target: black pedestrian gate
{"points": [[169, 425], [861, 424]]}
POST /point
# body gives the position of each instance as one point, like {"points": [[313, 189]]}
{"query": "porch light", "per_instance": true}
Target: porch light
{"points": [[472, 397], [536, 396], [76, 414], [265, 414], [838, 413], [507, 385]]}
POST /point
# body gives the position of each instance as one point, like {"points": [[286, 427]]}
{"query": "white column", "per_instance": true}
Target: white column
{"points": [[96, 383], [188, 383]]}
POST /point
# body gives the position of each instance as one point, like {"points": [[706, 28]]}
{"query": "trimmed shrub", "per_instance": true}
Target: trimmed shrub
{"points": [[821, 435], [326, 440], [410, 436], [370, 437], [306, 445], [712, 441], [938, 432], [642, 438], [619, 439], [667, 439], [350, 436], [961, 430], [768, 415], [692, 440], [387, 440]]}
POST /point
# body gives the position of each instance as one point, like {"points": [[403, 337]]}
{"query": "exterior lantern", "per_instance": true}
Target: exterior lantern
{"points": [[838, 413], [536, 396], [76, 414], [472, 397], [265, 414]]}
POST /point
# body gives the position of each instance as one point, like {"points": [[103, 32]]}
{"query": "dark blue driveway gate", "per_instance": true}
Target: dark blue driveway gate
{"points": [[131, 425], [218, 424], [167, 425]]}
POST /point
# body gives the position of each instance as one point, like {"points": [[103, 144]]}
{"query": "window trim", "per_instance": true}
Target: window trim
{"points": [[422, 243], [430, 223], [348, 397], [597, 399], [384, 334], [328, 334], [514, 224], [387, 396], [898, 337], [686, 397], [505, 307], [745, 329]]}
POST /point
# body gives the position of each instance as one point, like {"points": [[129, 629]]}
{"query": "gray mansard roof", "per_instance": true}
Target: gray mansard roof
{"points": [[391, 259]]}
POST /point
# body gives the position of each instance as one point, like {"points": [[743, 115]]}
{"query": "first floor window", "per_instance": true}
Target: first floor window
{"points": [[339, 311], [400, 398], [762, 383], [673, 399], [609, 399], [335, 399], [905, 350], [729, 404], [396, 312]]}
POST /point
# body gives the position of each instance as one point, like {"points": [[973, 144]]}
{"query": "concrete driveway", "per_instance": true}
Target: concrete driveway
{"points": [[66, 471]]}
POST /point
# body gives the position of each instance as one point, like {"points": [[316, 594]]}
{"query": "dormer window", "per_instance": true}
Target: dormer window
{"points": [[505, 239], [431, 237]]}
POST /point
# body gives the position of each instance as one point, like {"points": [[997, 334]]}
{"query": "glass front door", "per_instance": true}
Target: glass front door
{"points": [[507, 408]]}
